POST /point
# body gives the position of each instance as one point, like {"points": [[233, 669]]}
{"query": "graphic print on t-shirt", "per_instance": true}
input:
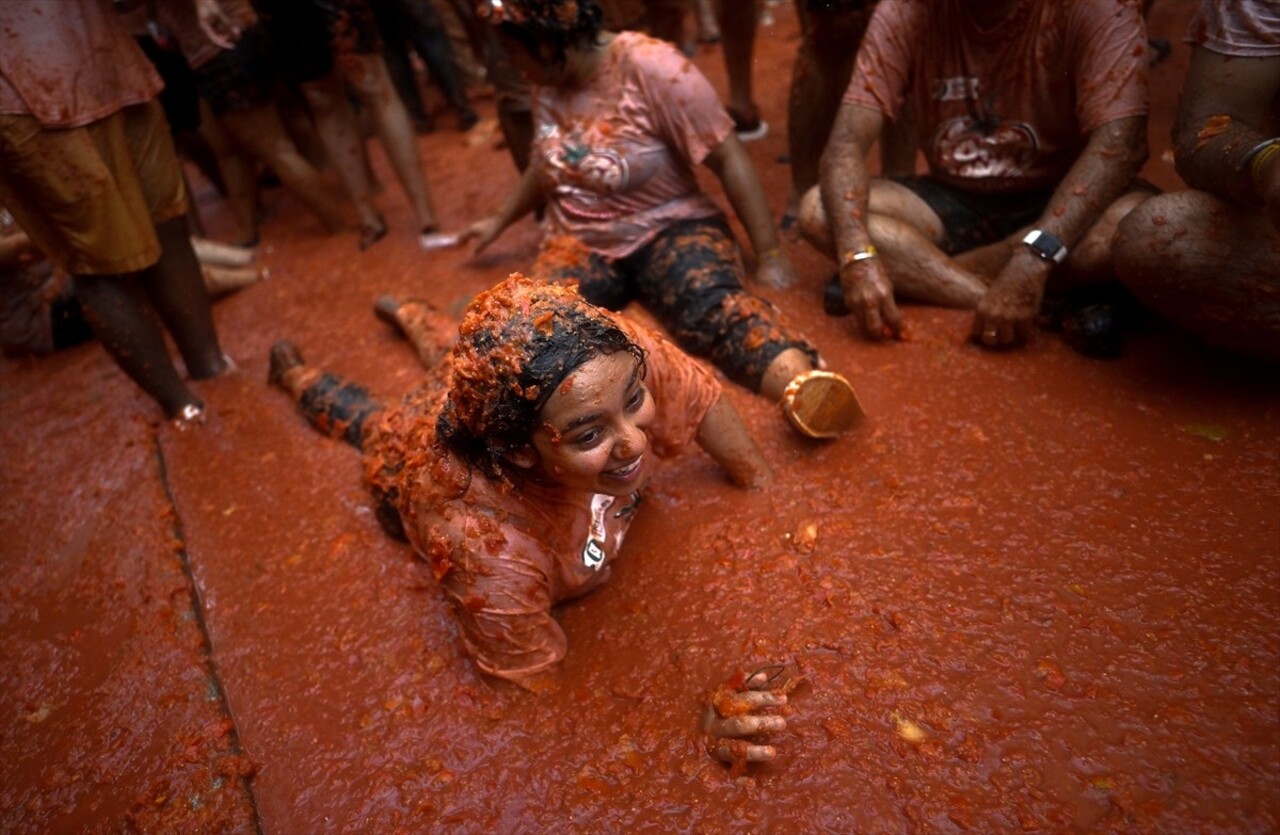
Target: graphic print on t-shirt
{"points": [[980, 143], [593, 553]]}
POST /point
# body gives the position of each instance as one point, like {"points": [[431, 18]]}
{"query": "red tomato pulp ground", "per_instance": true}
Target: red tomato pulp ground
{"points": [[1033, 591]]}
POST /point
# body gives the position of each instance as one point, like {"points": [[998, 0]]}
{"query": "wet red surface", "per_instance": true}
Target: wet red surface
{"points": [[1033, 591]]}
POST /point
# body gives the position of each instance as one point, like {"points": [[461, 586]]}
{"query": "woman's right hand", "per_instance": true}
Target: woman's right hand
{"points": [[485, 231], [732, 714]]}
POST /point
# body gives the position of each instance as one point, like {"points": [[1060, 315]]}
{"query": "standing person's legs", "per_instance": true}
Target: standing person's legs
{"points": [[344, 147], [738, 22], [238, 176], [393, 29], [427, 34], [367, 75], [819, 76], [97, 212], [260, 131], [176, 290], [173, 284], [116, 309]]}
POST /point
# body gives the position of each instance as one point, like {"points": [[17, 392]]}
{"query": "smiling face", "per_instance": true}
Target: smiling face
{"points": [[592, 431]]}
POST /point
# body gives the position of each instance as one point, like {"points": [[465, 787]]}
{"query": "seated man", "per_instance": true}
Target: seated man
{"points": [[1032, 116], [1209, 258]]}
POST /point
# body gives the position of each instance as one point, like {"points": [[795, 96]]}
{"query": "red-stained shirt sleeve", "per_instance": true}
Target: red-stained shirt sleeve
{"points": [[503, 609], [685, 108], [882, 71], [1111, 61]]}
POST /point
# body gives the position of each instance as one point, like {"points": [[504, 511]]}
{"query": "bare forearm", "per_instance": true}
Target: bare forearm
{"points": [[732, 165], [522, 201], [724, 437], [844, 184], [1104, 171], [1227, 110]]}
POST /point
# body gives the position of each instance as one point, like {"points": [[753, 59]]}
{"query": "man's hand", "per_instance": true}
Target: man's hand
{"points": [[731, 715], [775, 269], [220, 27], [1003, 318], [869, 296]]}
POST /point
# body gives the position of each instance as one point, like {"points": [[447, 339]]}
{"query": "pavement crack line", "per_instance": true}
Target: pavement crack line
{"points": [[197, 608]]}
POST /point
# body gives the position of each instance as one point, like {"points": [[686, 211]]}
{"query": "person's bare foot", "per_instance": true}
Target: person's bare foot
{"points": [[285, 356]]}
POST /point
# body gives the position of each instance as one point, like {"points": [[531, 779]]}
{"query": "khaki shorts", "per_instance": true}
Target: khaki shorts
{"points": [[90, 197]]}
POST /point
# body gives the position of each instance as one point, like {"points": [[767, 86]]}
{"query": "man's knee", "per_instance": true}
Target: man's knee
{"points": [[814, 227], [1147, 234]]}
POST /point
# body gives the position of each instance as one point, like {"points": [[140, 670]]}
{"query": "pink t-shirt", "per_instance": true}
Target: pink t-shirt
{"points": [[1240, 28], [69, 63], [616, 157], [1008, 108], [504, 556]]}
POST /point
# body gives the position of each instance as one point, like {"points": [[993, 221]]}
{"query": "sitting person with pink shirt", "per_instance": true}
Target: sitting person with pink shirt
{"points": [[620, 122], [516, 469], [1032, 116]]}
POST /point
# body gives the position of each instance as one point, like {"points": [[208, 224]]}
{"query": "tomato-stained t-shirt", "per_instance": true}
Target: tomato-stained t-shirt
{"points": [[505, 555], [616, 157], [69, 63], [1009, 108]]}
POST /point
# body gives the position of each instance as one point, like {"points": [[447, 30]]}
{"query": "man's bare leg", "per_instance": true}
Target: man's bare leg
{"points": [[175, 289], [1171, 252], [261, 133], [117, 310], [344, 147], [906, 233]]}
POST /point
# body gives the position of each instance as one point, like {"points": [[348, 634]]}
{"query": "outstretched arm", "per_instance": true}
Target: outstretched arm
{"points": [[845, 187], [732, 165], [522, 201], [725, 438]]}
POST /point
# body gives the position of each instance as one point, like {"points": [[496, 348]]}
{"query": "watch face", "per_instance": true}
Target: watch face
{"points": [[1045, 245]]}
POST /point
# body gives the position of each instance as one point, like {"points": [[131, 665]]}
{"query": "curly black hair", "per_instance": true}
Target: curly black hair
{"points": [[517, 343], [553, 25]]}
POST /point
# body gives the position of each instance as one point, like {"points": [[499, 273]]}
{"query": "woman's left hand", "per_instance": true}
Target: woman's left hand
{"points": [[775, 269]]}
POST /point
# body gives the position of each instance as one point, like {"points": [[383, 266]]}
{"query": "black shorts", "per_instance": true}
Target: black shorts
{"points": [[690, 279], [971, 220], [241, 78]]}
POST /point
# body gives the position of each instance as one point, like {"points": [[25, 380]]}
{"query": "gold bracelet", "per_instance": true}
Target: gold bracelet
{"points": [[853, 256], [1259, 155]]}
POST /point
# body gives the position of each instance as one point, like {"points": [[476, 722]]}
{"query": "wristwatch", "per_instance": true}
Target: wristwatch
{"points": [[1046, 245]]}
